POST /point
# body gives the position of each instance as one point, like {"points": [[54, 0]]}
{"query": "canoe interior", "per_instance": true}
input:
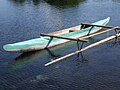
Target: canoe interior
{"points": [[42, 41]]}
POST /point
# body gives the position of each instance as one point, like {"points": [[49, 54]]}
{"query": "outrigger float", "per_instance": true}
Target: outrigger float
{"points": [[78, 33]]}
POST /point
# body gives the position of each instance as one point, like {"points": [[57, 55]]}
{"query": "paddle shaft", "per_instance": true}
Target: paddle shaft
{"points": [[88, 47]]}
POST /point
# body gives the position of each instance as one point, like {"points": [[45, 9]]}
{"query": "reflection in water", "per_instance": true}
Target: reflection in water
{"points": [[39, 78], [116, 1], [114, 43], [58, 3], [64, 3], [54, 53], [24, 58], [35, 2], [19, 1]]}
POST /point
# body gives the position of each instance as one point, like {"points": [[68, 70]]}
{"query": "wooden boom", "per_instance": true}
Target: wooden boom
{"points": [[61, 37], [98, 33], [88, 24], [88, 47]]}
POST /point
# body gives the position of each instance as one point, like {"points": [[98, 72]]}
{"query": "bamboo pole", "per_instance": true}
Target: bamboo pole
{"points": [[88, 24], [88, 47], [99, 32], [73, 39]]}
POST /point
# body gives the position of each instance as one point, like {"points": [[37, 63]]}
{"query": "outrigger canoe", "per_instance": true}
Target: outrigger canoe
{"points": [[43, 41]]}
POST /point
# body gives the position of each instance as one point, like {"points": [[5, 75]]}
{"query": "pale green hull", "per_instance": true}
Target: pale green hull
{"points": [[40, 43]]}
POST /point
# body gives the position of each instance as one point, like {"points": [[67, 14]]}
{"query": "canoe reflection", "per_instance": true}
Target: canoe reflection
{"points": [[26, 58], [42, 56]]}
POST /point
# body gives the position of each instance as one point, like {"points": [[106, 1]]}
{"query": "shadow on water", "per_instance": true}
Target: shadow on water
{"points": [[58, 3]]}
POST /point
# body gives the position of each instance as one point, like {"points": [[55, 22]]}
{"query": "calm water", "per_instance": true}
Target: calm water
{"points": [[25, 19]]}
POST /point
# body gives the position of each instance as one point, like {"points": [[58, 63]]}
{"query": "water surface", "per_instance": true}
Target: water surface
{"points": [[25, 19]]}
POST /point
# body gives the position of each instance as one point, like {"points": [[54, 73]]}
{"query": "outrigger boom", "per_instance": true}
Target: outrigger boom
{"points": [[90, 46], [61, 37], [88, 24]]}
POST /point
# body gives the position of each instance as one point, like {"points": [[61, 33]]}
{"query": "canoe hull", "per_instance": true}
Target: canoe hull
{"points": [[41, 43]]}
